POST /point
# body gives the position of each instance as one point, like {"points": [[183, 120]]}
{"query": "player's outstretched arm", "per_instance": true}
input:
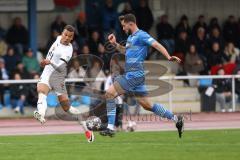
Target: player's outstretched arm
{"points": [[163, 50], [112, 40], [57, 67]]}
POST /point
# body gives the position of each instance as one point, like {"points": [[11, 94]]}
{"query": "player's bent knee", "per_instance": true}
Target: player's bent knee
{"points": [[41, 88]]}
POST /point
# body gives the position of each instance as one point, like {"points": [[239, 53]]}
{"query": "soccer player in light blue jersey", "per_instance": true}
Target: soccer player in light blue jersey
{"points": [[132, 81]]}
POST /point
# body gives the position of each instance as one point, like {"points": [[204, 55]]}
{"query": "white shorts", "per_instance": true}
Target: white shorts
{"points": [[55, 82]]}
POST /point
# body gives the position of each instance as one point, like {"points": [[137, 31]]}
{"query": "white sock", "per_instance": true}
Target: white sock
{"points": [[42, 104], [84, 126], [110, 126], [73, 110]]}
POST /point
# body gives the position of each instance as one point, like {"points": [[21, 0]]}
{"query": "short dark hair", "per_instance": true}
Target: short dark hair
{"points": [[69, 28], [128, 18], [121, 18]]}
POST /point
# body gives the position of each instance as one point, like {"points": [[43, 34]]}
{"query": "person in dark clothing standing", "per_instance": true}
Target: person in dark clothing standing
{"points": [[144, 16], [230, 30], [165, 33], [82, 28], [127, 9], [17, 36], [58, 24], [110, 18]]}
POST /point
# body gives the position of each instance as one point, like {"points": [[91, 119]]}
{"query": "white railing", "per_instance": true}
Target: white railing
{"points": [[168, 78]]}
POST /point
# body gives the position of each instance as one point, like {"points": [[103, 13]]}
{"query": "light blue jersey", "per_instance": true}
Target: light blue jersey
{"points": [[136, 52]]}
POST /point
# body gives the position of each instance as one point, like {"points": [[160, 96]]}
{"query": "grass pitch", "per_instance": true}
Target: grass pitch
{"points": [[195, 145]]}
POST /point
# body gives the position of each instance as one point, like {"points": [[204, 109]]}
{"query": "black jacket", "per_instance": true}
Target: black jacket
{"points": [[17, 90], [222, 85]]}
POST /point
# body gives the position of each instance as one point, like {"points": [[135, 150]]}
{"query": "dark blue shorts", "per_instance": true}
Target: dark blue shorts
{"points": [[132, 86]]}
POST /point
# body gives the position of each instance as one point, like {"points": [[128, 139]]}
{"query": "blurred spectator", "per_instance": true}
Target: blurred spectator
{"points": [[76, 71], [11, 58], [2, 32], [183, 26], [18, 95], [94, 14], [75, 45], [105, 57], [58, 25], [127, 9], [110, 18], [182, 44], [207, 95], [216, 56], [81, 28], [3, 47], [3, 76], [215, 36], [199, 24], [21, 69], [85, 49], [165, 33], [230, 30], [144, 16], [94, 42], [75, 54], [231, 53], [223, 91], [237, 83], [193, 64], [54, 35], [4, 72], [201, 42], [213, 24], [238, 37], [17, 35], [96, 72], [31, 63], [32, 95]]}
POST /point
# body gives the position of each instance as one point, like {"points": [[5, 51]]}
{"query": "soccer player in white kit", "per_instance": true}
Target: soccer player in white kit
{"points": [[53, 78]]}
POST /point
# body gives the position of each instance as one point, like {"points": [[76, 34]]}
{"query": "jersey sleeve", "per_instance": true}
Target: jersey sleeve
{"points": [[146, 39], [67, 55]]}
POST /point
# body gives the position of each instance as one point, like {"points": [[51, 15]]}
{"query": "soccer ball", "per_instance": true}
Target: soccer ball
{"points": [[93, 123]]}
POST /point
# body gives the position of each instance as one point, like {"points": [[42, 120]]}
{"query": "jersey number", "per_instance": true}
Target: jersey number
{"points": [[50, 55]]}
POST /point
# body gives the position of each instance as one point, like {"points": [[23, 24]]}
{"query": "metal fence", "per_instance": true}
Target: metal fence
{"points": [[165, 78]]}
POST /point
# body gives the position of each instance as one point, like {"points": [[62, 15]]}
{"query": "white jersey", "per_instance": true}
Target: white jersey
{"points": [[58, 54]]}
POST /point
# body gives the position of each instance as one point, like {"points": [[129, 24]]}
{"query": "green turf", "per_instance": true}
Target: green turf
{"points": [[195, 145]]}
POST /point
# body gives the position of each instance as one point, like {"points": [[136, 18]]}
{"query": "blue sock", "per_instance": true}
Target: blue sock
{"points": [[111, 113], [159, 110]]}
